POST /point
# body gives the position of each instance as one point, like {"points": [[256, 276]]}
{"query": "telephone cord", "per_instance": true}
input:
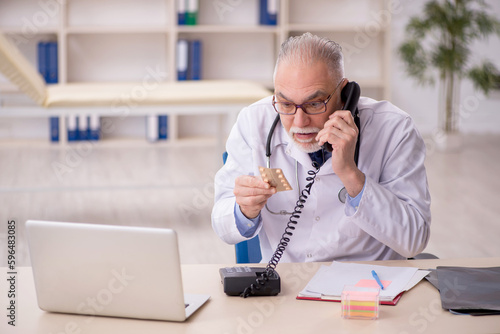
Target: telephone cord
{"points": [[285, 238]]}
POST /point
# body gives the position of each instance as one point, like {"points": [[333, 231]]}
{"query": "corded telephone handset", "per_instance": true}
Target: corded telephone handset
{"points": [[350, 95], [249, 281]]}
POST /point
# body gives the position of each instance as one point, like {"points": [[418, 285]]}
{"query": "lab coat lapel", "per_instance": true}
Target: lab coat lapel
{"points": [[326, 168], [302, 157], [305, 160]]}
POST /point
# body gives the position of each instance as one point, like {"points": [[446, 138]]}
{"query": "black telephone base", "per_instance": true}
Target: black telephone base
{"points": [[237, 279]]}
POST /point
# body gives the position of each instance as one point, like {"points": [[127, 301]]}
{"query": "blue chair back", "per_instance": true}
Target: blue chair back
{"points": [[247, 251]]}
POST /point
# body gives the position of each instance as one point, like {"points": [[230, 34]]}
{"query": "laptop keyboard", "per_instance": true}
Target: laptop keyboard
{"points": [[186, 305]]}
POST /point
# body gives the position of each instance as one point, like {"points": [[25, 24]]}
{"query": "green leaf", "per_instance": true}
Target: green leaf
{"points": [[415, 60], [484, 77], [450, 58], [417, 28]]}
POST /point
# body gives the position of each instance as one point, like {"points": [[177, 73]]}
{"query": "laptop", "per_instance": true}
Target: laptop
{"points": [[104, 270]]}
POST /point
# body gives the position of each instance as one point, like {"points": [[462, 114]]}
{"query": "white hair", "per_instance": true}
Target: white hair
{"points": [[308, 49]]}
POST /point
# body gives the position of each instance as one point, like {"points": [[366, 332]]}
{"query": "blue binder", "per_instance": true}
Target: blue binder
{"points": [[162, 127], [94, 127], [54, 128], [182, 59], [52, 78], [268, 14], [72, 127], [272, 12], [53, 73], [47, 66], [181, 12], [194, 66], [263, 20], [42, 60], [83, 127]]}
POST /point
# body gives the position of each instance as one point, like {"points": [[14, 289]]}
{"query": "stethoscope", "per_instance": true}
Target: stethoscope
{"points": [[342, 194]]}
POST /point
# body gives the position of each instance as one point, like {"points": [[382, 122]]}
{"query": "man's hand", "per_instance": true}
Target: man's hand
{"points": [[252, 194], [342, 133]]}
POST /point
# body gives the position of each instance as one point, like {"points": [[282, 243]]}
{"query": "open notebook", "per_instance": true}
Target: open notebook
{"points": [[329, 281]]}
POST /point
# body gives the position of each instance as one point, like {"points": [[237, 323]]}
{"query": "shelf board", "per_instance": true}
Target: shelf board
{"points": [[199, 141], [329, 27], [117, 30], [22, 31], [227, 29]]}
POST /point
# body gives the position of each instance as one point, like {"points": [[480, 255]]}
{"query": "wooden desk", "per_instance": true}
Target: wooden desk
{"points": [[419, 310]]}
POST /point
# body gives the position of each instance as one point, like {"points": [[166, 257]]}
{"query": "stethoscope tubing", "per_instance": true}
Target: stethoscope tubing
{"points": [[342, 194]]}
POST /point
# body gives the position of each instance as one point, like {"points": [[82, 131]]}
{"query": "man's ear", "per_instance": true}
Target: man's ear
{"points": [[344, 83]]}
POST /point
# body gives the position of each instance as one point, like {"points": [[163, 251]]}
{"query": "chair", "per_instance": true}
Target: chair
{"points": [[424, 256], [247, 251]]}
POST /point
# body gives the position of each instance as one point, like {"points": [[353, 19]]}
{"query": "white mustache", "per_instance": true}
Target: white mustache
{"points": [[294, 130]]}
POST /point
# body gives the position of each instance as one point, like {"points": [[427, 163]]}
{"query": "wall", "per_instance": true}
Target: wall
{"points": [[480, 114]]}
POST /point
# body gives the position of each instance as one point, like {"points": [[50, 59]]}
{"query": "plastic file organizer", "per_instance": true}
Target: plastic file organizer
{"points": [[360, 302]]}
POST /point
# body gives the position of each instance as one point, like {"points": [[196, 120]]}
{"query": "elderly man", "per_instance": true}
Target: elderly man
{"points": [[386, 214]]}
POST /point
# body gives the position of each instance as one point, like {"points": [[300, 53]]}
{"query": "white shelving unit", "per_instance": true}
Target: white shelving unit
{"points": [[121, 40]]}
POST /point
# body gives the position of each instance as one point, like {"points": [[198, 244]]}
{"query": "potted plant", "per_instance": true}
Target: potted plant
{"points": [[440, 42]]}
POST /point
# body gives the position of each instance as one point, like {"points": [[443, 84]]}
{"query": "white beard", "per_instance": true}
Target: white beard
{"points": [[307, 146]]}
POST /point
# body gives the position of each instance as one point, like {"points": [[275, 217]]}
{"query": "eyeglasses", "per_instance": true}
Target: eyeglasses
{"points": [[310, 108]]}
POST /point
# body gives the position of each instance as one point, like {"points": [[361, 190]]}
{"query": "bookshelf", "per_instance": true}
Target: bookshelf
{"points": [[121, 40]]}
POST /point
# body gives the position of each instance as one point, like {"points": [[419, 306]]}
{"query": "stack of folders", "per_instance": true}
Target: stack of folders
{"points": [[268, 12], [187, 12], [329, 281], [189, 53], [83, 127]]}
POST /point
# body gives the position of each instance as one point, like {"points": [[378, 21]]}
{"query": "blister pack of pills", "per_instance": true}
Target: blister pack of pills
{"points": [[275, 177]]}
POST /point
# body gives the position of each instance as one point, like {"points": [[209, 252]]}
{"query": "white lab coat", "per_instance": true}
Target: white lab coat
{"points": [[392, 220]]}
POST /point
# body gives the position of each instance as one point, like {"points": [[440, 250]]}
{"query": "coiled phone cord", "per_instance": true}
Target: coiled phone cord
{"points": [[285, 237]]}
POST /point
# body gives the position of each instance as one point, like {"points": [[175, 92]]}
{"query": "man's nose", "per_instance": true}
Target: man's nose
{"points": [[301, 119]]}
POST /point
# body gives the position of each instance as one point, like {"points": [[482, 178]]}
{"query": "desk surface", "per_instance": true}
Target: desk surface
{"points": [[418, 311]]}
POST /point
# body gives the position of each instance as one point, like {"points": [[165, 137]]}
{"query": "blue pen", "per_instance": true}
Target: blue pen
{"points": [[374, 274]]}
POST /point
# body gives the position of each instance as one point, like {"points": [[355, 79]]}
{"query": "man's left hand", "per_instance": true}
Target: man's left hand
{"points": [[342, 133]]}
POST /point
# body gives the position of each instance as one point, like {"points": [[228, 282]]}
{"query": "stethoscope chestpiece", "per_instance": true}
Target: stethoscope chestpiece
{"points": [[342, 195]]}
